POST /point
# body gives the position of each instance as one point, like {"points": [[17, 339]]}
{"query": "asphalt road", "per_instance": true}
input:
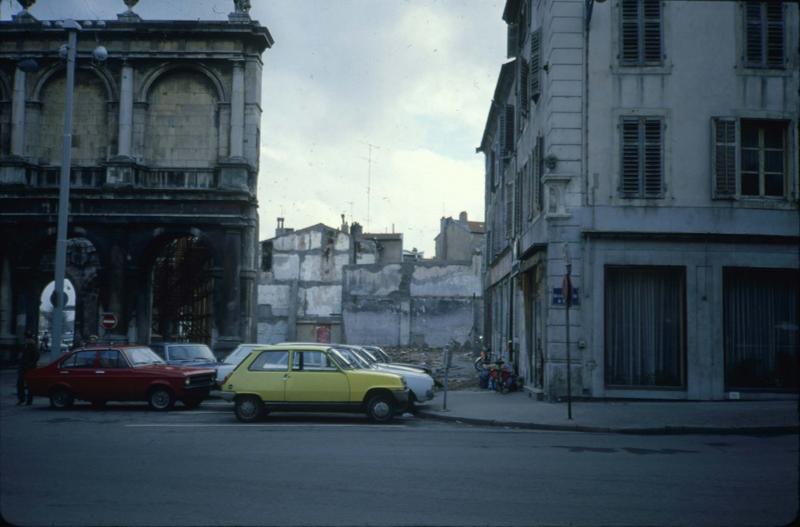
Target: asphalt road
{"points": [[127, 465]]}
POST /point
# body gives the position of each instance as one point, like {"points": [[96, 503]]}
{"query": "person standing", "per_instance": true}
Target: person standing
{"points": [[27, 361]]}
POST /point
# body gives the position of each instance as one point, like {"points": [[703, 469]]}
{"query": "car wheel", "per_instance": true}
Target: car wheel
{"points": [[61, 398], [160, 399], [380, 408], [248, 408]]}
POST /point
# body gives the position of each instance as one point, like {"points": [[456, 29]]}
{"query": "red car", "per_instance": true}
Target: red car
{"points": [[119, 373]]}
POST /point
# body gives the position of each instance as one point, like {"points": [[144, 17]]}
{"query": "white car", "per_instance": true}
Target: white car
{"points": [[420, 384], [233, 359]]}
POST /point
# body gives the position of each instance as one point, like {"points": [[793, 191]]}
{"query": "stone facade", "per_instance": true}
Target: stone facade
{"points": [[660, 161], [165, 146]]}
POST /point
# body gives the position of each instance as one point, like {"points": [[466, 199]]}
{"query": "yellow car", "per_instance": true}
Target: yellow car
{"points": [[311, 377]]}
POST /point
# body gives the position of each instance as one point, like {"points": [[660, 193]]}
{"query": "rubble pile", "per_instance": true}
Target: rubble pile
{"points": [[462, 374]]}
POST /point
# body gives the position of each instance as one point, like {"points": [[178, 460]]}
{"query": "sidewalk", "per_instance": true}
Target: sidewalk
{"points": [[516, 409]]}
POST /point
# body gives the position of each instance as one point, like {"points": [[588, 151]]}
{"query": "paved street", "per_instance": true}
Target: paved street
{"points": [[127, 465]]}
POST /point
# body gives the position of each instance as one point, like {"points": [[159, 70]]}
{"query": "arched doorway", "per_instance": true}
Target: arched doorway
{"points": [[47, 300], [183, 292]]}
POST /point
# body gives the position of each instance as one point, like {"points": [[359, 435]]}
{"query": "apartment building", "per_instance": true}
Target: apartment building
{"points": [[653, 147]]}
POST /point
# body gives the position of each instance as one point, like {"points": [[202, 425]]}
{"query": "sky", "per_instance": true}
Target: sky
{"points": [[413, 78]]}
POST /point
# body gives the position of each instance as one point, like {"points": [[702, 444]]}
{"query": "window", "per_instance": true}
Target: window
{"points": [[312, 361], [764, 35], [641, 33], [536, 65], [266, 256], [760, 328], [82, 359], [644, 326], [271, 361], [112, 359], [642, 153], [750, 158]]}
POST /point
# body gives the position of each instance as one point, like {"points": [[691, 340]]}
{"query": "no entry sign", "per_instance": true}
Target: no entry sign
{"points": [[108, 321]]}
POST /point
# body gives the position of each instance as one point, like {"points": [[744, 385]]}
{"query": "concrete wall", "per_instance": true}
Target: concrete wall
{"points": [[418, 303]]}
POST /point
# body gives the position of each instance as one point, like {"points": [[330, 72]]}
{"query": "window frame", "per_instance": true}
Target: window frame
{"points": [[736, 194], [641, 60], [763, 36], [642, 157]]}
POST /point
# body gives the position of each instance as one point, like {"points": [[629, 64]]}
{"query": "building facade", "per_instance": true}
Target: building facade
{"points": [[459, 239], [163, 223], [659, 159], [323, 284]]}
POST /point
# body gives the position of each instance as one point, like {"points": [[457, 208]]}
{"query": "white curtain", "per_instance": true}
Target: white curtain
{"points": [[761, 328], [644, 318]]}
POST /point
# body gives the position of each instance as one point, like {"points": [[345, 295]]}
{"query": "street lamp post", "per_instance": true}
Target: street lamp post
{"points": [[69, 52], [72, 29]]}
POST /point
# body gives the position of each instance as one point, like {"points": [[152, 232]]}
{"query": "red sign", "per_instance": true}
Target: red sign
{"points": [[108, 321]]}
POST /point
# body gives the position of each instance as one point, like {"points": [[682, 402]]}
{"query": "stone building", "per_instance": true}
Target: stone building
{"points": [[654, 145], [341, 285], [163, 225], [459, 239]]}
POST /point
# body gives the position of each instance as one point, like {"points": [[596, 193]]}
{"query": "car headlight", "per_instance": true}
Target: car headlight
{"points": [[186, 381]]}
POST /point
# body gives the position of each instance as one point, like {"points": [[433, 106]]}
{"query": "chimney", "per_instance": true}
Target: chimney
{"points": [[462, 216], [344, 228], [280, 230]]}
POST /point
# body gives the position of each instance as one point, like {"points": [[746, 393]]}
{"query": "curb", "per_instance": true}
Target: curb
{"points": [[664, 430]]}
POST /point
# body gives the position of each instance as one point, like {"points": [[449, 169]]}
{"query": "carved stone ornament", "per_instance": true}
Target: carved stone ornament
{"points": [[26, 3], [242, 6], [130, 4]]}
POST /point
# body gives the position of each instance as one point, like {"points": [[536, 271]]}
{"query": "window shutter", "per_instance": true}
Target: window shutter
{"points": [[753, 34], [652, 32], [774, 12], [536, 65], [538, 154], [630, 31], [653, 162], [509, 209], [629, 185], [523, 86], [502, 128], [509, 129], [724, 157], [511, 46], [518, 203]]}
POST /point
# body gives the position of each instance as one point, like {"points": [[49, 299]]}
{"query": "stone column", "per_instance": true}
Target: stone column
{"points": [[227, 293], [237, 111], [126, 111], [18, 114]]}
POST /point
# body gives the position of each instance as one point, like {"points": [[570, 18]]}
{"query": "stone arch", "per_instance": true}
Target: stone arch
{"points": [[93, 131], [111, 88], [164, 69], [182, 120], [180, 280]]}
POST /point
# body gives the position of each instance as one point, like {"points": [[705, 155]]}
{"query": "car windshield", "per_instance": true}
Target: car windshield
{"points": [[367, 355], [238, 355], [341, 360], [142, 356], [351, 355], [191, 352], [379, 354]]}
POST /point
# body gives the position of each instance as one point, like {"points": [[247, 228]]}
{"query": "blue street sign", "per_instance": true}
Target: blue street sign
{"points": [[558, 296]]}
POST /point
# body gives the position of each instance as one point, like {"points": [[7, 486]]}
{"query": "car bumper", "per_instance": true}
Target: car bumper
{"points": [[401, 397]]}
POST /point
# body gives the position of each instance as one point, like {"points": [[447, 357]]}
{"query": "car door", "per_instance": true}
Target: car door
{"points": [[114, 377], [77, 372], [266, 376], [315, 378]]}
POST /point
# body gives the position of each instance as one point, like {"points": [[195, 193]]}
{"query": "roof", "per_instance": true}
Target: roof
{"points": [[476, 227], [384, 235], [315, 227], [504, 81]]}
